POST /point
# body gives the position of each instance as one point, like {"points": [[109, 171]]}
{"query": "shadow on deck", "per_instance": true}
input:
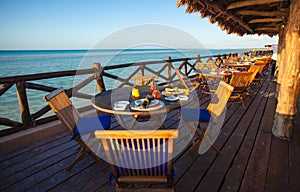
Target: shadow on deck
{"points": [[252, 158]]}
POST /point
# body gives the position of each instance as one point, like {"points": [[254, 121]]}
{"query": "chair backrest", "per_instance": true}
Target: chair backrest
{"points": [[206, 65], [219, 100], [142, 80], [138, 152], [262, 64], [230, 60], [181, 78], [254, 69], [63, 108], [240, 79], [266, 59]]}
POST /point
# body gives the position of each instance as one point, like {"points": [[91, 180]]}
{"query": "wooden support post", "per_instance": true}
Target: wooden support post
{"points": [[99, 77], [169, 68], [23, 103], [290, 82], [281, 51]]}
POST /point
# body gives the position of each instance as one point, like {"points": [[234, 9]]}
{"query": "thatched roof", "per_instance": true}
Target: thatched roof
{"points": [[242, 16]]}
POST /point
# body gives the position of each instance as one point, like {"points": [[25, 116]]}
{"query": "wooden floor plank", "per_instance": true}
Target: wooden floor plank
{"points": [[232, 180], [218, 170], [82, 178], [278, 166], [62, 175], [97, 181], [255, 174], [195, 172], [5, 173], [38, 173], [294, 154], [39, 147], [252, 159]]}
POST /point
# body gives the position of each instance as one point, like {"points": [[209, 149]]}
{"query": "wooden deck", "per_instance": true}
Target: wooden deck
{"points": [[251, 160]]}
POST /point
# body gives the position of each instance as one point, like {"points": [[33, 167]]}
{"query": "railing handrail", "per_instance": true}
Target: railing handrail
{"points": [[98, 73], [48, 75]]}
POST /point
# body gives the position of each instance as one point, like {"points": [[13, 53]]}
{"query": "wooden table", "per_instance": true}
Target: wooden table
{"points": [[216, 74], [243, 66], [130, 118]]}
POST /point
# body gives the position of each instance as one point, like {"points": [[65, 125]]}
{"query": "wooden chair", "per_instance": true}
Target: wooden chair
{"points": [[81, 129], [254, 69], [240, 82], [209, 84], [193, 117], [260, 74], [139, 157], [191, 85], [206, 66], [142, 80]]}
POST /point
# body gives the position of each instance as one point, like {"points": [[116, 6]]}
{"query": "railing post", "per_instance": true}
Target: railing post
{"points": [[99, 77], [185, 66], [142, 70], [23, 102], [198, 58], [219, 60], [169, 68]]}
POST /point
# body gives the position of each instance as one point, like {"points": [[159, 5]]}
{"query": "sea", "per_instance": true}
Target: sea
{"points": [[26, 62]]}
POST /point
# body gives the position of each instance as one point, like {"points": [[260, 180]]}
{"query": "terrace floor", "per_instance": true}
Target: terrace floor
{"points": [[252, 158]]}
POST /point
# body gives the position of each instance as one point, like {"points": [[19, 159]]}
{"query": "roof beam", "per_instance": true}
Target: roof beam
{"points": [[268, 29], [263, 13], [266, 20], [232, 15], [246, 3]]}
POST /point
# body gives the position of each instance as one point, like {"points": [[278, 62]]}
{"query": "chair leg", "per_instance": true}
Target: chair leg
{"points": [[194, 146], [243, 103], [79, 157], [199, 139]]}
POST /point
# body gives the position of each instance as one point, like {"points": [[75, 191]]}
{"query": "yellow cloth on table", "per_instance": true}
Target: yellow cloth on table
{"points": [[176, 90]]}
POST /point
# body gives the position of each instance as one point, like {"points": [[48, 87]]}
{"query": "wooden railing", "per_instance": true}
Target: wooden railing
{"points": [[162, 69]]}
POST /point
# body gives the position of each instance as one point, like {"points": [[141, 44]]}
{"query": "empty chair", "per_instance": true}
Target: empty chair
{"points": [[210, 66], [210, 83], [142, 80], [81, 129], [254, 69], [139, 157], [240, 82], [186, 81], [193, 117]]}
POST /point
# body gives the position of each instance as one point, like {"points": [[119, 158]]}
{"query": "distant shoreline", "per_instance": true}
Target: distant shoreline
{"points": [[115, 49]]}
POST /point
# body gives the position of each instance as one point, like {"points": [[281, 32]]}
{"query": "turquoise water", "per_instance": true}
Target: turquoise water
{"points": [[14, 63]]}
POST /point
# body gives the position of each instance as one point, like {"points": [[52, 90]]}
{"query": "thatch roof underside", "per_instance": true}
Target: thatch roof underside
{"points": [[242, 16]]}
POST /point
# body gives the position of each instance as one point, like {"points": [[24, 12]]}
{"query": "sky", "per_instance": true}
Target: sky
{"points": [[81, 24]]}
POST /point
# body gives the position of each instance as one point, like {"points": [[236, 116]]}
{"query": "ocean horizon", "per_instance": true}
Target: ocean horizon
{"points": [[26, 62]]}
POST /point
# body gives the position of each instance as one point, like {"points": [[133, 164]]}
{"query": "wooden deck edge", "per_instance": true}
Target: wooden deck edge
{"points": [[30, 136]]}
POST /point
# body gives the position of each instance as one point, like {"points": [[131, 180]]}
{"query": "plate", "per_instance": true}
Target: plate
{"points": [[171, 98], [183, 97], [159, 105], [152, 103]]}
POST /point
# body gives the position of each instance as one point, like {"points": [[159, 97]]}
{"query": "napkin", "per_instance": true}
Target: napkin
{"points": [[120, 105]]}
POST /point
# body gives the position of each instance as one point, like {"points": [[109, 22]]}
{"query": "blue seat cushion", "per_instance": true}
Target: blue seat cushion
{"points": [[91, 124], [196, 115]]}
